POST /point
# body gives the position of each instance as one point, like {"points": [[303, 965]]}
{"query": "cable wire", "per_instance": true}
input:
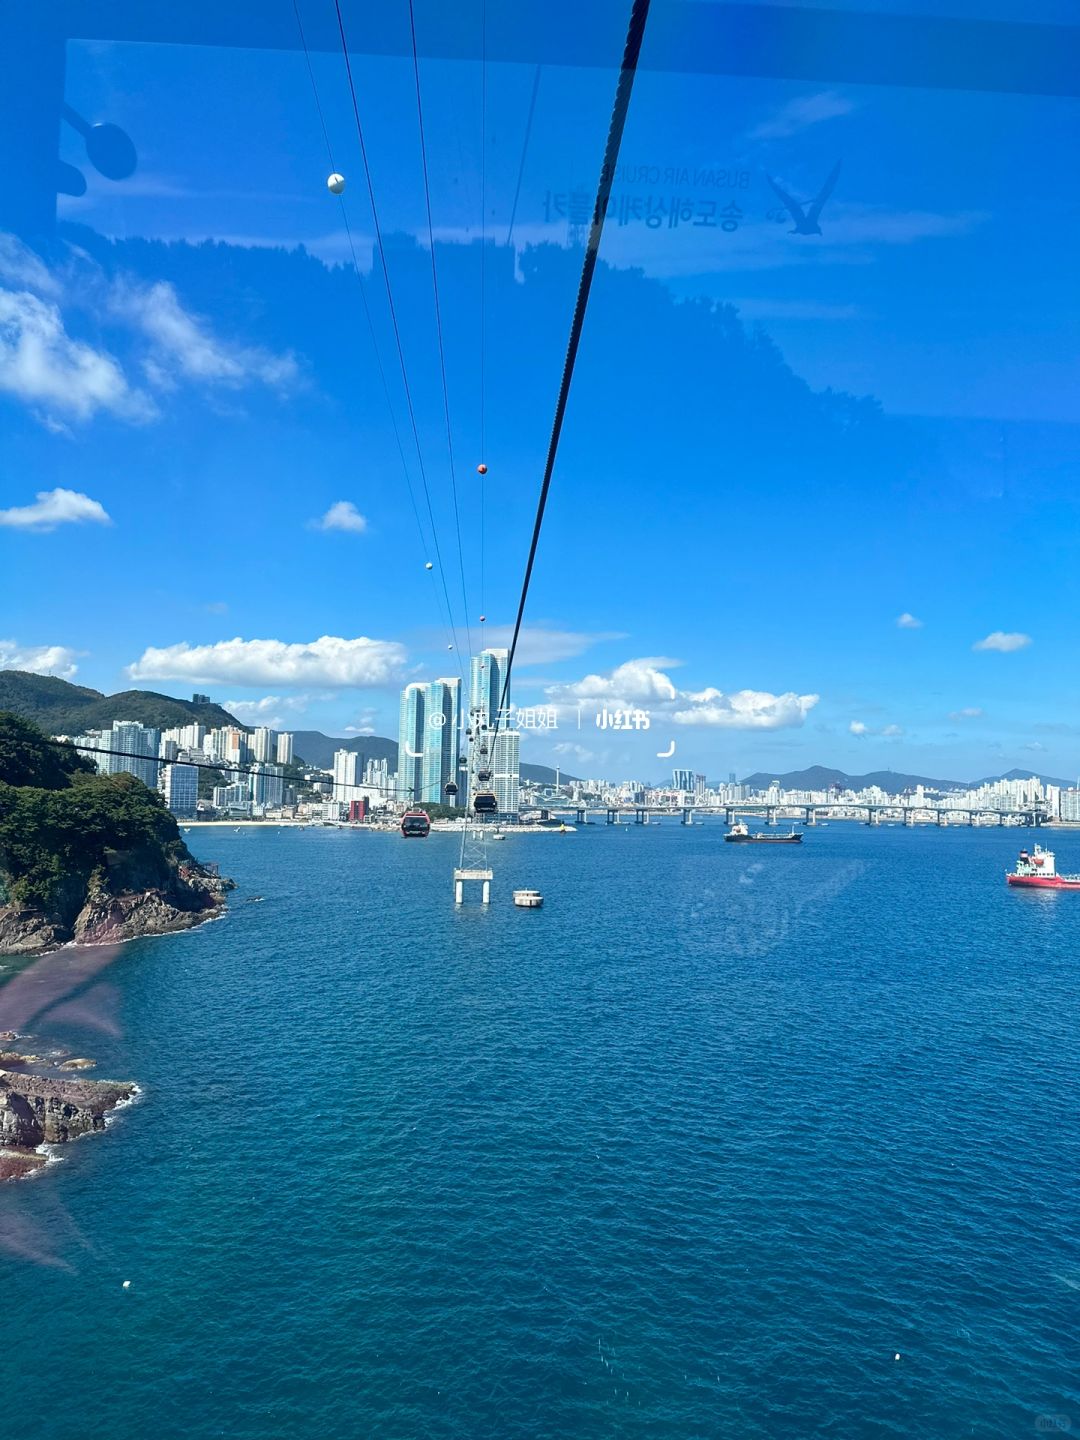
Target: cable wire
{"points": [[623, 90], [445, 618], [524, 152], [217, 768], [483, 297], [381, 250], [438, 319]]}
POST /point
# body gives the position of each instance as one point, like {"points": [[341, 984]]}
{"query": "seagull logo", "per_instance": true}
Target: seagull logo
{"points": [[806, 216]]}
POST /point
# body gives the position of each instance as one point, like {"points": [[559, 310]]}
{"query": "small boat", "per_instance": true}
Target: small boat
{"points": [[1037, 870], [741, 834], [528, 899]]}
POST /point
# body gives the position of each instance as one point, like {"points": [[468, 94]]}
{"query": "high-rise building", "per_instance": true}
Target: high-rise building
{"points": [[180, 787], [442, 710], [132, 747], [682, 780], [285, 749], [262, 743], [233, 746], [266, 785], [410, 742], [345, 763], [429, 723], [506, 768], [487, 676]]}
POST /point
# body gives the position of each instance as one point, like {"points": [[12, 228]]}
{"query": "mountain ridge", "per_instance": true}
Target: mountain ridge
{"points": [[820, 777]]}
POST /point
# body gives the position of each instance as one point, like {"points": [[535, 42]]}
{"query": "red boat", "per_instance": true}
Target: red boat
{"points": [[416, 825], [1038, 871]]}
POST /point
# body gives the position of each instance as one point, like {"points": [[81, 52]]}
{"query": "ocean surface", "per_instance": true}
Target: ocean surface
{"points": [[695, 1150]]}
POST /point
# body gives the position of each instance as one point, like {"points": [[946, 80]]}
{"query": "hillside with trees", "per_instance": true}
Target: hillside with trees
{"points": [[85, 856], [61, 708]]}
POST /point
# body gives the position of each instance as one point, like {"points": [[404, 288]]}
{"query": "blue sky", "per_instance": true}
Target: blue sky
{"points": [[777, 445]]}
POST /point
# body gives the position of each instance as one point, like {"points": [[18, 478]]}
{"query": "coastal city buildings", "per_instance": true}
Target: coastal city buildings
{"points": [[506, 769], [345, 763], [238, 783], [429, 725], [126, 746], [180, 789], [410, 742]]}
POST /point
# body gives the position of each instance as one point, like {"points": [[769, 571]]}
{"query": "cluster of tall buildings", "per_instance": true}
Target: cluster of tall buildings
{"points": [[168, 760], [440, 745]]}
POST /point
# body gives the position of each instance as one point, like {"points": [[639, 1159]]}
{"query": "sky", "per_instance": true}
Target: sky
{"points": [[815, 500]]}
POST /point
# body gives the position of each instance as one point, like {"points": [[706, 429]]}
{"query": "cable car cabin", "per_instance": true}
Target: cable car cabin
{"points": [[485, 803], [484, 777], [450, 788], [416, 825]]}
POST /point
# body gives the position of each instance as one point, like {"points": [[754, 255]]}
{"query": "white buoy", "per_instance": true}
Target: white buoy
{"points": [[336, 183], [897, 1355], [127, 1284]]}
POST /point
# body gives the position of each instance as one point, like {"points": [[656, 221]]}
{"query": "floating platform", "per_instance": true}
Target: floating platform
{"points": [[528, 899]]}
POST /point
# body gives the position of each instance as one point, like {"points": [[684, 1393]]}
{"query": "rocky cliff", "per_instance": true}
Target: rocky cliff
{"points": [[188, 897], [39, 1109]]}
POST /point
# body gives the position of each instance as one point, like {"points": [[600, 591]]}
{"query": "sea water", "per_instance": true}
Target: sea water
{"points": [[722, 1141]]}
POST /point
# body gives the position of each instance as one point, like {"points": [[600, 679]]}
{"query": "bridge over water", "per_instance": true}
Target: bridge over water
{"points": [[870, 813]]}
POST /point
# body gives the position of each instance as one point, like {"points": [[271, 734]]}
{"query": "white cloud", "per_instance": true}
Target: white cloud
{"points": [[43, 366], [642, 683], [907, 621], [216, 607], [635, 682], [342, 515], [270, 710], [1004, 641], [575, 752], [183, 346], [969, 712], [330, 660], [746, 710], [544, 644], [802, 112], [65, 378], [39, 659], [889, 732], [22, 269], [53, 508]]}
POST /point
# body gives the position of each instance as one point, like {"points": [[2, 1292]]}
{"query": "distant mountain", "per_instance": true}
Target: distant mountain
{"points": [[1025, 775], [820, 777], [61, 708], [317, 749]]}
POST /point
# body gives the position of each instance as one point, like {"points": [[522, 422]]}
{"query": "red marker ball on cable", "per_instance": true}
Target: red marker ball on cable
{"points": [[481, 469]]}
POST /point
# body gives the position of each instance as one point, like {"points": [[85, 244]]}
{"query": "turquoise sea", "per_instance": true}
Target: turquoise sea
{"points": [[695, 1150]]}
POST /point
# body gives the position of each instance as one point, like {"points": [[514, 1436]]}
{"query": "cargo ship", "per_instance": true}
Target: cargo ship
{"points": [[742, 835], [1037, 870], [416, 825]]}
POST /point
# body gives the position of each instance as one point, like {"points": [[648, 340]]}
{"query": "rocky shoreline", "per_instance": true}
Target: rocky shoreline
{"points": [[195, 896], [38, 1110]]}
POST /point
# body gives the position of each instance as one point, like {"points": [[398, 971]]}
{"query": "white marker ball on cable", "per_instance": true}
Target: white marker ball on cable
{"points": [[428, 566], [336, 183]]}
